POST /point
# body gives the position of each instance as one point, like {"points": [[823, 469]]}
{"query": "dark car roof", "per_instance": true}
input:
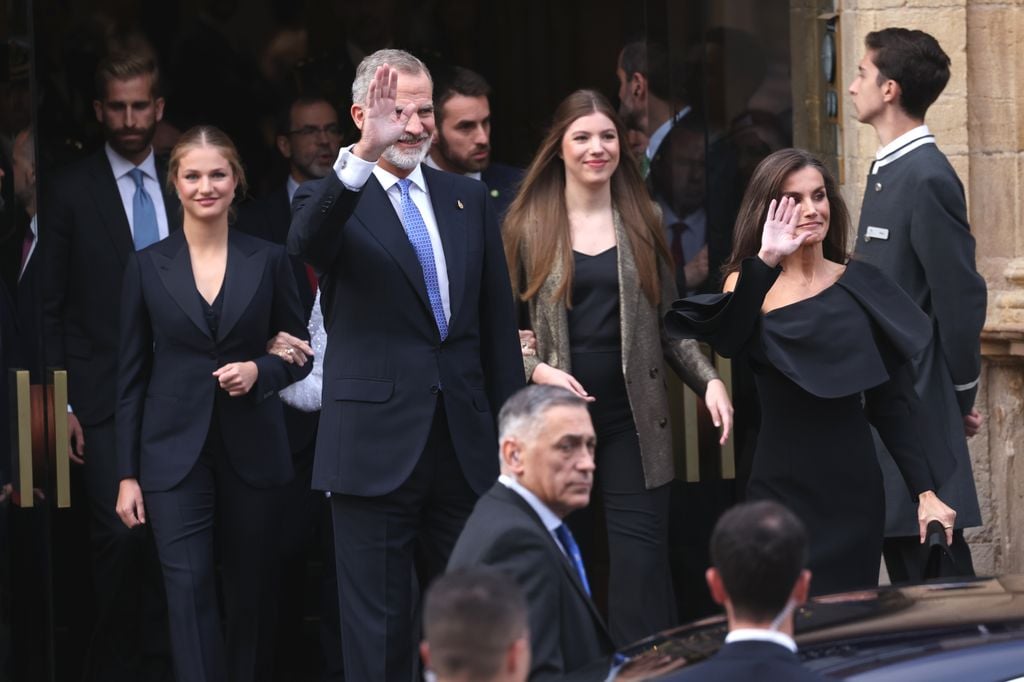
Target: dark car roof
{"points": [[965, 630]]}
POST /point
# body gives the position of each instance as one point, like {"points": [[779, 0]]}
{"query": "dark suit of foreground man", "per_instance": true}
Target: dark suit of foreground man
{"points": [[422, 350], [758, 554], [547, 462]]}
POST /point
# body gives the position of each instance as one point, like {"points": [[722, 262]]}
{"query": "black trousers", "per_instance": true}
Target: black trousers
{"points": [[378, 542], [130, 640], [905, 562], [213, 509], [640, 597]]}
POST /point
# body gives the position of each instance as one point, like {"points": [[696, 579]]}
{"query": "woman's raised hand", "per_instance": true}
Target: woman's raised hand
{"points": [[779, 237]]}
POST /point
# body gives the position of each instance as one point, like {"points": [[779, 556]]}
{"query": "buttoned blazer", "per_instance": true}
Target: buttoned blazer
{"points": [[645, 349], [166, 391], [269, 218], [748, 660], [385, 363], [568, 638], [85, 243]]}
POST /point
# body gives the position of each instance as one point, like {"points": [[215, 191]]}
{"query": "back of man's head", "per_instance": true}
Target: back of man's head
{"points": [[475, 627], [759, 550], [915, 61], [664, 70]]}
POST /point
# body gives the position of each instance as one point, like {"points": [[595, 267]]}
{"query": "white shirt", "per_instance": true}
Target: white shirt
{"points": [[33, 226], [547, 517], [354, 172], [126, 186], [291, 185], [477, 175], [759, 635], [902, 145], [659, 135]]}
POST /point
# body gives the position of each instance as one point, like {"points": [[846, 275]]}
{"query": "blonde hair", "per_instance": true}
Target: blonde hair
{"points": [[208, 136]]}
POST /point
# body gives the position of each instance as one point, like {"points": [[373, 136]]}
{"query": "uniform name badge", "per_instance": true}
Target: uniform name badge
{"points": [[876, 233]]}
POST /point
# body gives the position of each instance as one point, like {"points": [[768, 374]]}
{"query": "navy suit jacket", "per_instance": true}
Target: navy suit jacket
{"points": [[502, 184], [748, 660], [85, 243], [165, 392], [568, 638], [385, 363]]}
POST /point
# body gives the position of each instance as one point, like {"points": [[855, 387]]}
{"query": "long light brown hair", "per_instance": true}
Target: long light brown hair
{"points": [[536, 227], [766, 184]]}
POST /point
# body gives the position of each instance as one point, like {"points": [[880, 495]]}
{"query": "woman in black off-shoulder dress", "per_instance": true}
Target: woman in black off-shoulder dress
{"points": [[828, 342]]}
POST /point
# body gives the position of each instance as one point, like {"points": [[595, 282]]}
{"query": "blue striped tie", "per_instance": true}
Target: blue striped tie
{"points": [[416, 230], [145, 230], [564, 536]]}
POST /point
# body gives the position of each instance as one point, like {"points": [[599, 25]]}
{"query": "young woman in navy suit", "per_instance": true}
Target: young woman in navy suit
{"points": [[202, 450]]}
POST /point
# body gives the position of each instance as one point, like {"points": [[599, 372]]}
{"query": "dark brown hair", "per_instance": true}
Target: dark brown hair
{"points": [[207, 136], [765, 185], [915, 61], [536, 228], [135, 58]]}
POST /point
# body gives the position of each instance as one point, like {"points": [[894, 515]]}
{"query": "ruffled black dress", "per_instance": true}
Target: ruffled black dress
{"points": [[825, 368]]}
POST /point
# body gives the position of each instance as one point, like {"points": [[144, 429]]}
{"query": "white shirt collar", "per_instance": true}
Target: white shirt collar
{"points": [[759, 635], [429, 161], [33, 226], [388, 180], [659, 135], [906, 138], [291, 184], [548, 517], [121, 166]]}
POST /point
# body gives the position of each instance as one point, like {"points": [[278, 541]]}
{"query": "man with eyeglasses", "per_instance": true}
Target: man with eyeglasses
{"points": [[309, 137]]}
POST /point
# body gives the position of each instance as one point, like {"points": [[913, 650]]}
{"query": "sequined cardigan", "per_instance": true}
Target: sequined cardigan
{"points": [[645, 349]]}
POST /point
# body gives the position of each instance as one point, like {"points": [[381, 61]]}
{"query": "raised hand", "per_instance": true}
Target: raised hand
{"points": [[779, 238], [382, 123]]}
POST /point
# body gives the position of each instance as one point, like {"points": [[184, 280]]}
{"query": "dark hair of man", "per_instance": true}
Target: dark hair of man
{"points": [[759, 549], [471, 617], [665, 77], [913, 59], [122, 66], [766, 184], [456, 80], [283, 119], [536, 227]]}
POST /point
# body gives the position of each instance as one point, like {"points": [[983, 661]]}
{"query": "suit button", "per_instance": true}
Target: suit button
{"points": [[434, 389], [654, 372], [662, 422]]}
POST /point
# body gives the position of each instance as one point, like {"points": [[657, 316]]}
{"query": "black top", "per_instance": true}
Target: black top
{"points": [[826, 368], [212, 311], [594, 315]]}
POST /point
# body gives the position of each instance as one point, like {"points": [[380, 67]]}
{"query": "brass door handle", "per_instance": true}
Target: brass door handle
{"points": [[62, 442], [21, 416]]}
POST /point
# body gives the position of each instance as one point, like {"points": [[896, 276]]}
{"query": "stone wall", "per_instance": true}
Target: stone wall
{"points": [[979, 124]]}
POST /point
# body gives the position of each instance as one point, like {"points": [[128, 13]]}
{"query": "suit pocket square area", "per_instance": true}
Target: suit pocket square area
{"points": [[364, 390]]}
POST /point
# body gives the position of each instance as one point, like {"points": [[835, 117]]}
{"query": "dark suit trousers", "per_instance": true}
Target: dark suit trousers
{"points": [[130, 640], [640, 595], [377, 541], [214, 512]]}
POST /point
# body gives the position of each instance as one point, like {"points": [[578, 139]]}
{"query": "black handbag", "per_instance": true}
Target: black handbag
{"points": [[937, 560]]}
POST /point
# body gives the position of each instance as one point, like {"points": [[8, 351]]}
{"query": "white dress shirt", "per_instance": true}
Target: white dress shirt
{"points": [[661, 133], [126, 187], [33, 227], [354, 172], [901, 146], [547, 517], [760, 635]]}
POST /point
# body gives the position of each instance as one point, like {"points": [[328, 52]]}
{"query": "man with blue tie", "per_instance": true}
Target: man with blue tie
{"points": [[546, 451], [92, 217], [422, 350]]}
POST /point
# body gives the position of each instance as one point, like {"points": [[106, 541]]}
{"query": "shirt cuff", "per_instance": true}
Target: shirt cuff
{"points": [[352, 170]]}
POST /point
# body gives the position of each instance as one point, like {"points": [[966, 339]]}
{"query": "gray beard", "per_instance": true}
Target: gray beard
{"points": [[406, 160]]}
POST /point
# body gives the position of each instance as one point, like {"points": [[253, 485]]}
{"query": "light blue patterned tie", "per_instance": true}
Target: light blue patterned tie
{"points": [[145, 230], [564, 536], [416, 230]]}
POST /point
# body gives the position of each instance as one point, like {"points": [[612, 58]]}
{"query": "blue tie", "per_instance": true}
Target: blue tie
{"points": [[416, 230], [564, 536], [145, 230]]}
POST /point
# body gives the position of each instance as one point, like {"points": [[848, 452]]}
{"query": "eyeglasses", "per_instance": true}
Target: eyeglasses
{"points": [[331, 130]]}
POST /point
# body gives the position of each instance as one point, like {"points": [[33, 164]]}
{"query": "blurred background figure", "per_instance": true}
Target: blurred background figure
{"points": [[475, 629]]}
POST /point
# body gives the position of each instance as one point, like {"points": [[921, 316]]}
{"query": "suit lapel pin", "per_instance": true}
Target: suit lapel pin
{"points": [[878, 187], [458, 202]]}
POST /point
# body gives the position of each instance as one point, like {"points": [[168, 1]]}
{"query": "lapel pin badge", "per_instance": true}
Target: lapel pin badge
{"points": [[878, 187], [458, 202]]}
